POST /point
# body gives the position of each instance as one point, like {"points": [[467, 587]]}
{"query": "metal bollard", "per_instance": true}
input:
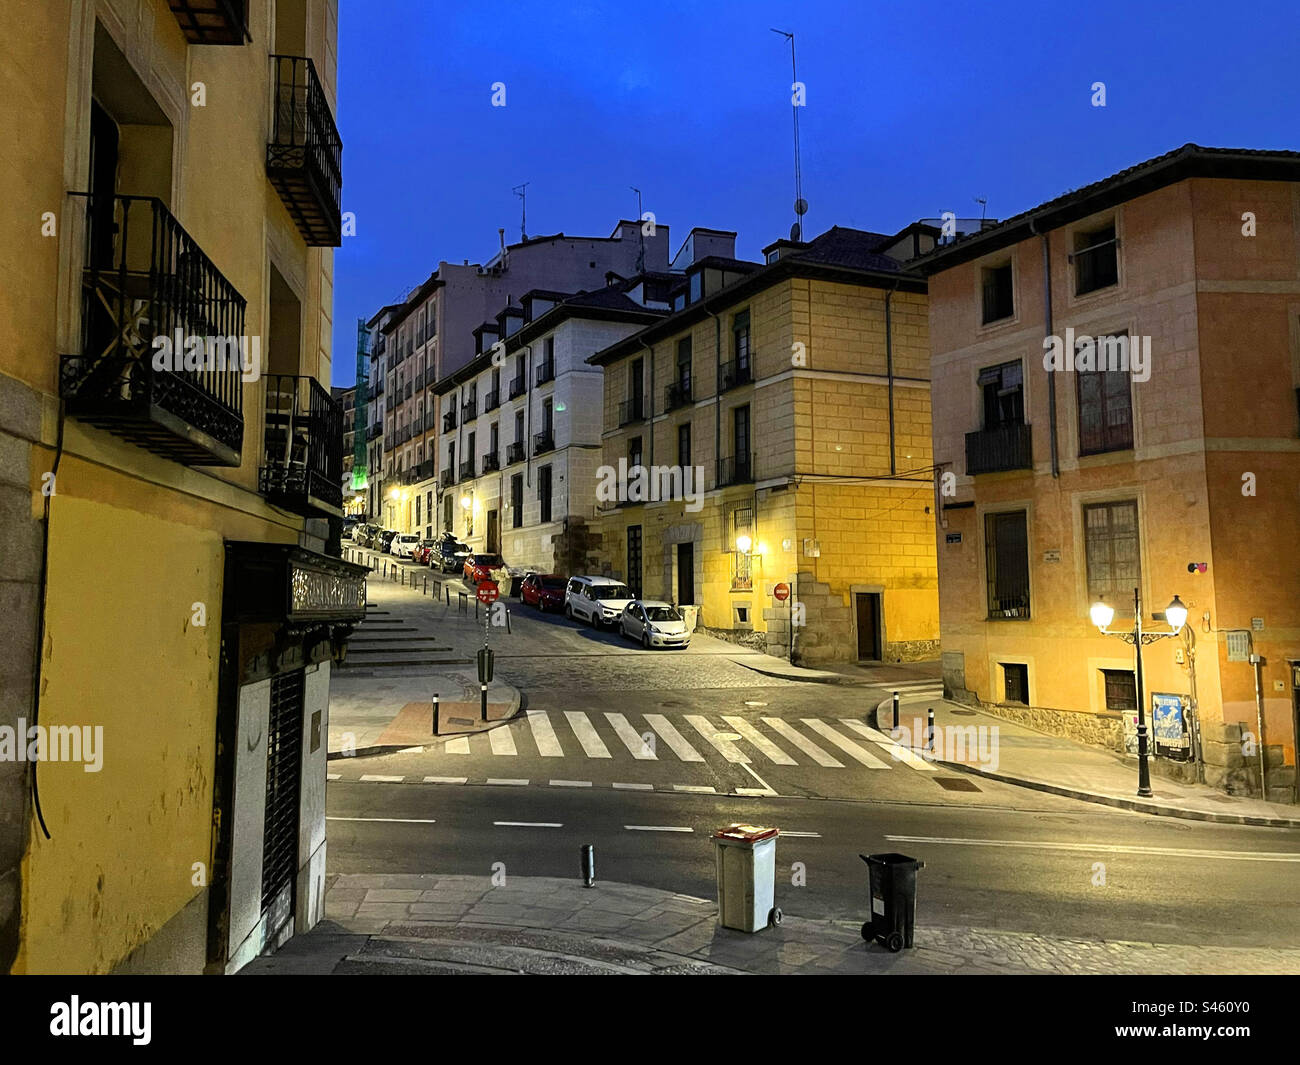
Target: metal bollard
{"points": [[435, 713], [508, 631], [482, 701], [448, 591], [588, 852], [930, 730], [895, 711]]}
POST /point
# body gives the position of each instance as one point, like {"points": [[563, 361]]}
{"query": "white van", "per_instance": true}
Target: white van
{"points": [[596, 600]]}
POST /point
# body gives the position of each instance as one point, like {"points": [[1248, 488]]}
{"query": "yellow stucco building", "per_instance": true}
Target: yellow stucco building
{"points": [[792, 400], [172, 469]]}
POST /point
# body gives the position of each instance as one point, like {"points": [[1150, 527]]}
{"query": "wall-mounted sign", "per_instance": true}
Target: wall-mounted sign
{"points": [[1238, 645], [1051, 556], [1257, 624], [1168, 725], [953, 538]]}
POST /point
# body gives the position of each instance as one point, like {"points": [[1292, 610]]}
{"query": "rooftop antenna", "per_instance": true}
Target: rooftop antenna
{"points": [[983, 208], [522, 192], [640, 258], [800, 204]]}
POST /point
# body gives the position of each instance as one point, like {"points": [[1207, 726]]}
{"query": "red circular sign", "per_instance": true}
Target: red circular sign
{"points": [[782, 592], [488, 592]]}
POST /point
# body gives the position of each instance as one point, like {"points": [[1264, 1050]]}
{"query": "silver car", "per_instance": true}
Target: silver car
{"points": [[654, 623]]}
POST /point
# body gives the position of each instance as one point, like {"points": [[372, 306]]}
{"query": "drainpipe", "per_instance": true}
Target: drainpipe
{"points": [[650, 361], [1047, 332], [717, 394], [889, 372]]}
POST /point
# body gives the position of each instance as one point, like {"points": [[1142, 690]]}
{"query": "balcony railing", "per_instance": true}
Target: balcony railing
{"points": [[733, 373], [302, 457], [491, 462], [739, 469], [376, 431], [449, 421], [304, 158], [448, 476], [546, 371], [468, 412], [677, 394], [631, 410], [1008, 447], [430, 420], [515, 452], [467, 469], [146, 280], [517, 386], [406, 392], [543, 441], [492, 400], [212, 21]]}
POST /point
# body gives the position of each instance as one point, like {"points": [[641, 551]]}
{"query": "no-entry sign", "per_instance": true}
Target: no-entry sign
{"points": [[782, 592], [488, 592]]}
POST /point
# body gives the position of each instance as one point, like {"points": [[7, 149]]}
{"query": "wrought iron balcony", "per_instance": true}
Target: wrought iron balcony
{"points": [[212, 21], [543, 441], [491, 462], [468, 412], [738, 469], [302, 456], [467, 470], [515, 452], [517, 386], [734, 373], [546, 371], [449, 421], [677, 394], [304, 158], [631, 410], [448, 476], [376, 431], [146, 281], [492, 400], [1007, 447]]}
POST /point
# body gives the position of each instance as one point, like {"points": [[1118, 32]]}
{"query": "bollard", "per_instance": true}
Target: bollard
{"points": [[508, 631], [588, 852], [895, 711], [929, 728], [482, 701], [435, 713], [448, 591]]}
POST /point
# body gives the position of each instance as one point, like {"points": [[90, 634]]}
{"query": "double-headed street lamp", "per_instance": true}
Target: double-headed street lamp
{"points": [[1176, 615]]}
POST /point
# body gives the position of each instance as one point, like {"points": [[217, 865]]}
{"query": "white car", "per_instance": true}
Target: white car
{"points": [[597, 600], [654, 623], [403, 544]]}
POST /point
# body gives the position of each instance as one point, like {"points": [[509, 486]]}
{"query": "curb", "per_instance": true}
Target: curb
{"points": [[818, 677], [517, 703], [1101, 799]]}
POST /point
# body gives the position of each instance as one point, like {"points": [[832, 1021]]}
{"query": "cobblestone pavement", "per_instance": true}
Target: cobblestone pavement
{"points": [[428, 923]]}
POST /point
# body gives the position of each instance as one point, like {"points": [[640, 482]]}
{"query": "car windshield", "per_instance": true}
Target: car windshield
{"points": [[610, 591], [662, 613], [408, 539]]}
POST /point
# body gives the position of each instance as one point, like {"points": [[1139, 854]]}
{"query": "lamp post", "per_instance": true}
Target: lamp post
{"points": [[1102, 614]]}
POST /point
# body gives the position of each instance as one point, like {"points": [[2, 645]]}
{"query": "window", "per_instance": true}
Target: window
{"points": [[636, 387], [742, 524], [417, 510], [1105, 403], [517, 501], [740, 438], [634, 452], [1110, 535], [548, 417], [519, 427], [684, 445], [1096, 263], [1004, 395], [997, 293], [1121, 689], [684, 364], [740, 339], [1015, 683], [446, 511], [1006, 545], [544, 492]]}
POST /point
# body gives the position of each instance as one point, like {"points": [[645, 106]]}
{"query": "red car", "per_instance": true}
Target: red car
{"points": [[420, 555], [543, 590], [487, 567]]}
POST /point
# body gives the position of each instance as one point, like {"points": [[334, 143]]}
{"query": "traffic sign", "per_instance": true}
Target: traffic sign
{"points": [[488, 592], [782, 592]]}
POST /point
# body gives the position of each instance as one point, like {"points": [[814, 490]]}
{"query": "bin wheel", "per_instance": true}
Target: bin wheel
{"points": [[866, 931], [895, 941], [774, 918]]}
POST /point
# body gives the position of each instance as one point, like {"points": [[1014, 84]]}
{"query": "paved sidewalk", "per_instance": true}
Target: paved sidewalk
{"points": [[409, 924], [1060, 766]]}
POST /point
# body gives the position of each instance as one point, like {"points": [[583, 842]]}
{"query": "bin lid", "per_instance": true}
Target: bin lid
{"points": [[745, 833]]}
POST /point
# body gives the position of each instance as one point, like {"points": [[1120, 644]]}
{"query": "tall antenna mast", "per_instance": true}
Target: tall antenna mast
{"points": [[800, 204], [640, 258], [522, 192]]}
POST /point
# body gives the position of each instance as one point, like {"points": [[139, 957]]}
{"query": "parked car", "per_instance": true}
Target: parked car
{"points": [[362, 533], [448, 555], [423, 551], [382, 539], [543, 590], [403, 544], [654, 623], [598, 600], [487, 567]]}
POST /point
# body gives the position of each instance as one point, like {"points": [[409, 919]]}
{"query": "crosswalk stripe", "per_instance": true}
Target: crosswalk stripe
{"points": [[850, 748], [381, 779], [673, 738], [897, 752], [751, 734], [446, 780], [502, 741], [460, 745], [548, 746], [806, 745], [696, 789], [634, 787], [638, 747], [592, 745], [720, 743]]}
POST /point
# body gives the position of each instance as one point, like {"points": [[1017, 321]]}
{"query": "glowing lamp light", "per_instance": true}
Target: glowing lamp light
{"points": [[1176, 614], [1102, 614], [743, 544], [466, 502]]}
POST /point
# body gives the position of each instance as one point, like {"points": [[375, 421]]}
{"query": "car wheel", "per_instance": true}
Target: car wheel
{"points": [[645, 640], [568, 611]]}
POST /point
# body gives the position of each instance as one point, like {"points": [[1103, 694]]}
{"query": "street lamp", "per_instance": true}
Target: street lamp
{"points": [[1102, 614]]}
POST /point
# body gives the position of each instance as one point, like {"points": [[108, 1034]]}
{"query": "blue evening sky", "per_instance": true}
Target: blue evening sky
{"points": [[913, 108]]}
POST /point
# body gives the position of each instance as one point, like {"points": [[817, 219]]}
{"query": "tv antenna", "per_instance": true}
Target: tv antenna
{"points": [[522, 192], [983, 202], [800, 204], [640, 258]]}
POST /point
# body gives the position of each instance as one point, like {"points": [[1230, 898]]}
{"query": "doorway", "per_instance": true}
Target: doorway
{"points": [[868, 617], [685, 574], [493, 532], [634, 560]]}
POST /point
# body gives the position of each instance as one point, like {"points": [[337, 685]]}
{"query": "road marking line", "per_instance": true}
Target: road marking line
{"points": [[548, 745], [389, 820], [698, 789], [766, 746], [899, 753], [592, 745], [502, 742], [755, 793], [333, 776], [410, 750], [767, 788], [721, 741], [459, 745], [802, 835], [656, 828], [631, 739], [570, 783], [506, 780], [1118, 848], [381, 779], [850, 748], [807, 746], [446, 780], [912, 685], [528, 824], [635, 787], [675, 740]]}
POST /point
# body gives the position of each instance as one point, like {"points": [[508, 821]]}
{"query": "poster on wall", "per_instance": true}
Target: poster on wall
{"points": [[1169, 724]]}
